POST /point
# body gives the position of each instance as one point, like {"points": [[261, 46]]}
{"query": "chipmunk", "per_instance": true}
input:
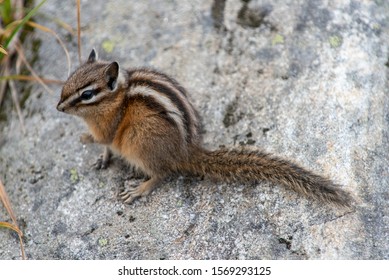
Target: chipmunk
{"points": [[146, 117]]}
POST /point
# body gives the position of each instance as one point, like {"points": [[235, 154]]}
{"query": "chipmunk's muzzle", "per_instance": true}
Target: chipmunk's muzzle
{"points": [[61, 106]]}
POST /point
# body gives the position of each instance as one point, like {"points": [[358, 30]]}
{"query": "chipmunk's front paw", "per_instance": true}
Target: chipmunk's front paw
{"points": [[101, 163], [104, 159]]}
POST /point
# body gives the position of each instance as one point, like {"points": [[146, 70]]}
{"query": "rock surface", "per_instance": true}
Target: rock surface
{"points": [[306, 81]]}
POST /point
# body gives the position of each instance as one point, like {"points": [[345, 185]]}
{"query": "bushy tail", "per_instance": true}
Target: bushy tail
{"points": [[241, 165]]}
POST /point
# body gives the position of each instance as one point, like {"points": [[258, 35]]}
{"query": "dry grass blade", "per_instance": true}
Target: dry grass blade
{"points": [[79, 29], [16, 101], [2, 50], [17, 105], [22, 246], [20, 234], [11, 226], [5, 200], [8, 31], [29, 78], [65, 26], [3, 84], [19, 61], [48, 30]]}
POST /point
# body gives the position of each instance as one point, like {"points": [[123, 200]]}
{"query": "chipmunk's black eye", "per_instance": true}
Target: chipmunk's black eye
{"points": [[88, 94]]}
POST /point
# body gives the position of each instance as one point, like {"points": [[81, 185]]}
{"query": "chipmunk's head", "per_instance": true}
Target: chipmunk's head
{"points": [[91, 87]]}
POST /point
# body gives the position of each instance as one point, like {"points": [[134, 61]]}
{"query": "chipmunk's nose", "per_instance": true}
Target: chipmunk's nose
{"points": [[60, 106]]}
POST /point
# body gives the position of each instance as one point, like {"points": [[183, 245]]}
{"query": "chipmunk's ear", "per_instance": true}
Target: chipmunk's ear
{"points": [[92, 56], [111, 75]]}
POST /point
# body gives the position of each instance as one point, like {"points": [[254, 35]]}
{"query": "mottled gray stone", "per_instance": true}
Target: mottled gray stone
{"points": [[306, 80]]}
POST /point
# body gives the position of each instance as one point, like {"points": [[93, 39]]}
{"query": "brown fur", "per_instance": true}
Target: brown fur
{"points": [[142, 129], [243, 165]]}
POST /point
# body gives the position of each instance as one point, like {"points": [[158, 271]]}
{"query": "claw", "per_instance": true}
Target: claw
{"points": [[135, 191], [123, 193], [103, 161], [132, 192], [98, 164], [129, 200], [127, 197]]}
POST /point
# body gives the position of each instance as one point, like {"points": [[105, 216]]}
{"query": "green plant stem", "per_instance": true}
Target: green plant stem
{"points": [[6, 12]]}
